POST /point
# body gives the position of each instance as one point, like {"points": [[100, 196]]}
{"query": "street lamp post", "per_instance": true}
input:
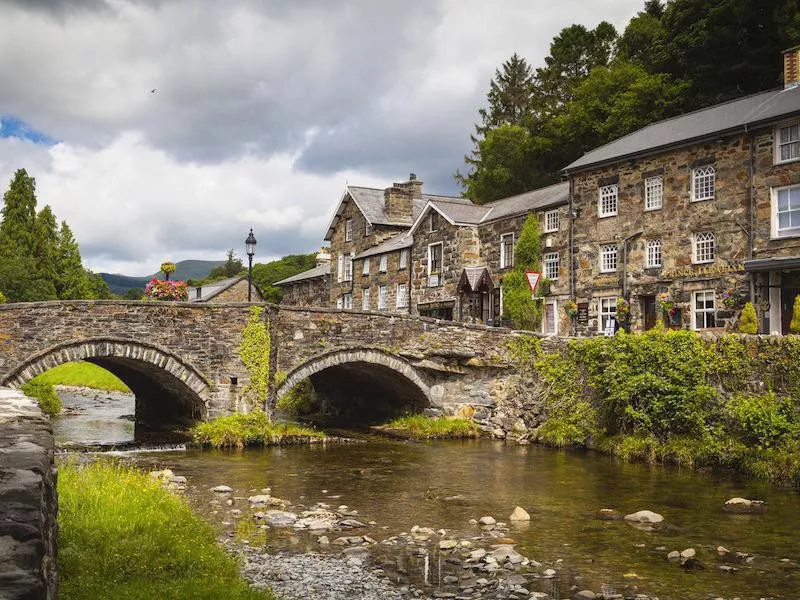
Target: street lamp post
{"points": [[250, 248]]}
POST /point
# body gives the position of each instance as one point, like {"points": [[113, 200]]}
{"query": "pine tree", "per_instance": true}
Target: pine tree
{"points": [[510, 95], [518, 304], [45, 253], [72, 282], [19, 214]]}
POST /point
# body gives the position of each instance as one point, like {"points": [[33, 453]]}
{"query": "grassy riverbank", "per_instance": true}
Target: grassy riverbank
{"points": [[251, 430], [83, 374], [674, 397], [430, 428], [122, 536]]}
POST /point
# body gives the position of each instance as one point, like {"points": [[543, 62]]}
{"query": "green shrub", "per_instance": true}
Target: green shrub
{"points": [[794, 325], [517, 302], [748, 322], [254, 429], [424, 427], [122, 536], [45, 395], [3, 298], [299, 400], [762, 420]]}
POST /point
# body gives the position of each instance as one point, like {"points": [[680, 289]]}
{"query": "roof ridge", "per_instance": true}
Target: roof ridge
{"points": [[546, 187]]}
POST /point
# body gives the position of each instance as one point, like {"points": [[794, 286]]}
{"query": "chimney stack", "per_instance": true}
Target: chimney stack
{"points": [[324, 257], [399, 200], [791, 67]]}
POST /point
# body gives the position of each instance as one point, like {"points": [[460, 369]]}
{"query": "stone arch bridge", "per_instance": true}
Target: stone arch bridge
{"points": [[182, 362]]}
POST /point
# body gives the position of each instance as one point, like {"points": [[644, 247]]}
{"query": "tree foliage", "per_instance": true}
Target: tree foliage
{"points": [[232, 267], [254, 352], [518, 304], [265, 274], [748, 323]]}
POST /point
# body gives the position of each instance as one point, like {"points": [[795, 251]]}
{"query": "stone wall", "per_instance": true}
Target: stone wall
{"points": [[309, 292], [236, 293], [28, 501], [675, 224]]}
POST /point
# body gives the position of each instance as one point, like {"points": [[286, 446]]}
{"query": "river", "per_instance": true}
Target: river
{"points": [[397, 485]]}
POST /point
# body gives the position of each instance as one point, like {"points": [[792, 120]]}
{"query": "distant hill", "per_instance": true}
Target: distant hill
{"points": [[185, 269]]}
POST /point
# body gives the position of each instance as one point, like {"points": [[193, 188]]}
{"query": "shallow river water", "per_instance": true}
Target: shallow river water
{"points": [[445, 484]]}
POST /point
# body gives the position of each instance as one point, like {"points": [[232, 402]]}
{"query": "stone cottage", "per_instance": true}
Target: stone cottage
{"points": [[233, 289]]}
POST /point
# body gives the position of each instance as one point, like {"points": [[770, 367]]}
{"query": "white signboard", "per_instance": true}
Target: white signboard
{"points": [[533, 278]]}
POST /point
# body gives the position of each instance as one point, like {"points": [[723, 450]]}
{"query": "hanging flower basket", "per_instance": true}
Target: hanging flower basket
{"points": [[732, 299], [571, 309], [166, 290]]}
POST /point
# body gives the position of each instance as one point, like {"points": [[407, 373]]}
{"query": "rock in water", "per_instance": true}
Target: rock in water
{"points": [[743, 505], [222, 489], [520, 514], [487, 520], [644, 516]]}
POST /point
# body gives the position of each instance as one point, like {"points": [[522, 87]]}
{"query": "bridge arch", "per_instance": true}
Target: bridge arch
{"points": [[168, 390], [361, 380]]}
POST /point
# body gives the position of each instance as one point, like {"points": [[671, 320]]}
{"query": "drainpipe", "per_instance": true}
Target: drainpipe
{"points": [[409, 266], [570, 241], [751, 236], [625, 262]]}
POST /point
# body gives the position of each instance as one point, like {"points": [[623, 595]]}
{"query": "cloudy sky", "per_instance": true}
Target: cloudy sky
{"points": [[262, 112]]}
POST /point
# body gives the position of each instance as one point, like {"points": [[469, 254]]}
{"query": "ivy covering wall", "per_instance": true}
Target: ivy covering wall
{"points": [[255, 354]]}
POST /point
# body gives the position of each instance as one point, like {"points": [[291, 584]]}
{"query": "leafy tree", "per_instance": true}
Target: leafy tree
{"points": [[643, 37], [72, 282], [265, 274], [134, 294], [98, 288], [517, 302], [3, 298], [748, 322], [232, 267]]}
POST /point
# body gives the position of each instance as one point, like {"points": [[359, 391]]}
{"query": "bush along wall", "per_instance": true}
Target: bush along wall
{"points": [[727, 402]]}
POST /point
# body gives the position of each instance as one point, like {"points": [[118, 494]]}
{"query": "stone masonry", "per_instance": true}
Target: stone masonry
{"points": [[28, 501]]}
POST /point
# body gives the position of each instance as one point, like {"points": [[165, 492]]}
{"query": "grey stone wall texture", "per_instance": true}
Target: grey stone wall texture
{"points": [[28, 501]]}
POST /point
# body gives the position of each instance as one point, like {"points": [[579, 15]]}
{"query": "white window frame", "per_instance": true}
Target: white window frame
{"points": [[550, 265], [401, 300], [704, 181], [704, 311], [795, 125], [383, 263], [348, 268], [609, 250], [365, 299], [367, 229], [340, 268], [365, 267], [606, 196], [383, 297], [554, 304], [339, 302], [654, 193], [703, 237], [776, 231], [347, 301], [348, 230], [504, 241], [606, 308], [654, 257], [552, 221], [438, 274], [403, 259]]}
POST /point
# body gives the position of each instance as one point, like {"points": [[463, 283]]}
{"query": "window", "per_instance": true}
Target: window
{"points": [[348, 268], [402, 296], [704, 310], [506, 250], [433, 221], [550, 263], [704, 247], [347, 301], [365, 268], [339, 302], [367, 229], [788, 146], [787, 212], [384, 262], [348, 230], [608, 258], [550, 321], [653, 193], [654, 254], [434, 264], [608, 311], [403, 258], [703, 183], [340, 269], [551, 221], [607, 206], [383, 296], [365, 299]]}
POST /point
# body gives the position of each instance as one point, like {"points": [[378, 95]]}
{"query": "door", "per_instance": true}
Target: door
{"points": [[649, 312]]}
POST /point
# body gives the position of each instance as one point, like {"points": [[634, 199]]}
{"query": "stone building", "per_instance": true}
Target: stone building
{"points": [[233, 289], [673, 218], [461, 251], [309, 288]]}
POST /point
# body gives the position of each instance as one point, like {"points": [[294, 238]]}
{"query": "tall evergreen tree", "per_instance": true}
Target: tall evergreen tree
{"points": [[510, 95], [45, 253], [72, 282], [19, 214]]}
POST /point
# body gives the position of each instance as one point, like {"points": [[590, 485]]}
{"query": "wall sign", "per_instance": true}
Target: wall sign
{"points": [[583, 313], [720, 269]]}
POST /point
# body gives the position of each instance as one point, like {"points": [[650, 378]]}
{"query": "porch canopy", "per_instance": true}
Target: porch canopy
{"points": [[475, 280], [790, 263]]}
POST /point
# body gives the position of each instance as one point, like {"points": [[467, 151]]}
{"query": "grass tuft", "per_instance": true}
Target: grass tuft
{"points": [[45, 395], [254, 429], [429, 428], [82, 374], [122, 536]]}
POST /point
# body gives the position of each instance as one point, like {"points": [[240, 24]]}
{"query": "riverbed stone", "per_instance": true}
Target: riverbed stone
{"points": [[585, 595], [447, 544], [259, 499], [279, 518], [519, 514], [222, 489], [644, 516], [688, 553], [487, 520], [744, 505]]}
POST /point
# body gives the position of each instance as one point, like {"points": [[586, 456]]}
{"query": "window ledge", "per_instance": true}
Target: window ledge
{"points": [[786, 162], [695, 200], [784, 237], [599, 216], [654, 209]]}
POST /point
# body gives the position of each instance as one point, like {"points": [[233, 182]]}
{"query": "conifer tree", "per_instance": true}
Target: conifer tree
{"points": [[510, 95], [45, 253], [72, 282], [19, 214], [518, 304]]}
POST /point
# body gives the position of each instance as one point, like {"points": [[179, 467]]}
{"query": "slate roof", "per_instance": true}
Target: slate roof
{"points": [[727, 117], [460, 211], [319, 271], [370, 202], [397, 242], [472, 276], [209, 290]]}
